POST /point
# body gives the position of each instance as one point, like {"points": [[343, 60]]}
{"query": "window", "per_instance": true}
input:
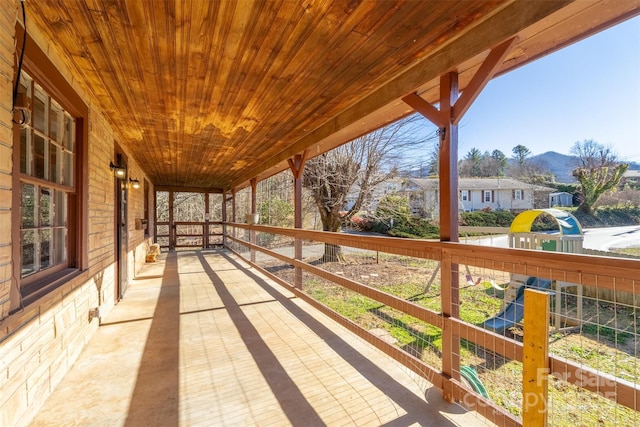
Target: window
{"points": [[488, 196], [49, 222], [47, 171], [517, 194], [464, 195]]}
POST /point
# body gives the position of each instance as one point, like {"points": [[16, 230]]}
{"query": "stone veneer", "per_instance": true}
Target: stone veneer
{"points": [[39, 343]]}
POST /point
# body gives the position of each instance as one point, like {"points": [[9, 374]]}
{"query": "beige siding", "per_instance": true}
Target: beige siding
{"points": [[7, 13]]}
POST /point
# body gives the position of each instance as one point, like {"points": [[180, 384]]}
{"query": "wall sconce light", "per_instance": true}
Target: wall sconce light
{"points": [[119, 170], [134, 183]]}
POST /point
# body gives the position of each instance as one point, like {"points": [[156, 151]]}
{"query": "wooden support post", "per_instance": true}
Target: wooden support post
{"points": [[233, 205], [172, 225], [297, 167], [448, 184], [233, 211], [205, 231], [535, 358], [224, 218], [452, 108], [448, 160], [252, 237]]}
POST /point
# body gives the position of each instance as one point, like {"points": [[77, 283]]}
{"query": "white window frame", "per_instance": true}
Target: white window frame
{"points": [[518, 194]]}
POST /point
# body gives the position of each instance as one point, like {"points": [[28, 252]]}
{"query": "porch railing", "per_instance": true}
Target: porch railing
{"points": [[424, 303]]}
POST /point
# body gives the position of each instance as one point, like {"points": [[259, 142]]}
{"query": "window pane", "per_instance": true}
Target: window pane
{"points": [[69, 133], [68, 169], [25, 84], [54, 124], [28, 260], [45, 207], [39, 157], [55, 163], [45, 248], [60, 208], [28, 205], [25, 151], [60, 245], [162, 206], [39, 112]]}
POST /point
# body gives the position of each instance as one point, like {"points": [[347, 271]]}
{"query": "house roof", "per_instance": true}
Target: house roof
{"points": [[480, 184], [209, 94]]}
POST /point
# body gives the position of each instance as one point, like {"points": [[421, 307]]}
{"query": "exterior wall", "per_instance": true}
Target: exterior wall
{"points": [[40, 342], [7, 16], [502, 200]]}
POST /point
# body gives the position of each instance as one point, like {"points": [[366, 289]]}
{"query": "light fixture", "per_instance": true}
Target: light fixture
{"points": [[119, 170], [134, 183]]}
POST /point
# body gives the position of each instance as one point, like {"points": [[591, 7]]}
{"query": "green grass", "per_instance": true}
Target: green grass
{"points": [[617, 337], [627, 251]]}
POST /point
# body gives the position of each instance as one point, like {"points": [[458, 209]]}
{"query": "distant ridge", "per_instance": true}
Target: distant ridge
{"points": [[561, 165]]}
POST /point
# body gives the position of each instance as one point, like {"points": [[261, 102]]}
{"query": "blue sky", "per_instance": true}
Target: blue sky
{"points": [[589, 90]]}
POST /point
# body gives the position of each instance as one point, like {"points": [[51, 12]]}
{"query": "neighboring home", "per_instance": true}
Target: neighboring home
{"points": [[561, 198], [630, 178], [390, 186], [476, 194]]}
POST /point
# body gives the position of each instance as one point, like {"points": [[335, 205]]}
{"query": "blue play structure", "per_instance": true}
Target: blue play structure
{"points": [[514, 311], [568, 238]]}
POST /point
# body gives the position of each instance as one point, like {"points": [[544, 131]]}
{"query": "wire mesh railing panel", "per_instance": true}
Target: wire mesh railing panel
{"points": [[600, 341], [414, 336], [276, 242], [215, 207], [243, 204], [593, 340]]}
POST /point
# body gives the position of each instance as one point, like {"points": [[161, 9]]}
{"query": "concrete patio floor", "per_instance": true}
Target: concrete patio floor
{"points": [[200, 339]]}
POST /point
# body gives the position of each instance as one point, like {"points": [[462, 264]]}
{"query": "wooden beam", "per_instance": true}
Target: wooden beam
{"points": [[430, 112], [296, 164], [535, 358], [480, 79]]}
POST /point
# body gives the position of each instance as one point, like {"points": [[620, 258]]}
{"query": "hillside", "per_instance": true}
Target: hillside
{"points": [[561, 165]]}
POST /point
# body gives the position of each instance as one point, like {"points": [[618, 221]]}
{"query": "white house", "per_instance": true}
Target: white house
{"points": [[476, 194], [630, 177], [390, 186]]}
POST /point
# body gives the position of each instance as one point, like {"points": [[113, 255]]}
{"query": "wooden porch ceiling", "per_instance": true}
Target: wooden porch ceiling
{"points": [[210, 94]]}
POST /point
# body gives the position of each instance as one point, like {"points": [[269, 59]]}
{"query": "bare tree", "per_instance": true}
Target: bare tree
{"points": [[359, 166], [598, 171]]}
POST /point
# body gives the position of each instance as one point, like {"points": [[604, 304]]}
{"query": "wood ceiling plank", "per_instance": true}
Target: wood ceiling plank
{"points": [[209, 93], [496, 28]]}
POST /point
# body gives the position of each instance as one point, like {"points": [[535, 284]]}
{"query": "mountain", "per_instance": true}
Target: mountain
{"points": [[561, 165]]}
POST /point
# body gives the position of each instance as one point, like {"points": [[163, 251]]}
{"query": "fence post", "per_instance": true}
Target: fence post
{"points": [[535, 359]]}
